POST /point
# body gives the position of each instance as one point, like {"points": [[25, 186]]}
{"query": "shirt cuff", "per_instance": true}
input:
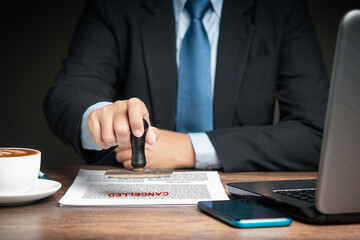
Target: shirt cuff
{"points": [[205, 154], [86, 139]]}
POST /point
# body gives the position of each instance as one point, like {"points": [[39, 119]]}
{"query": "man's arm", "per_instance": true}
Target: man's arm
{"points": [[89, 76], [302, 91]]}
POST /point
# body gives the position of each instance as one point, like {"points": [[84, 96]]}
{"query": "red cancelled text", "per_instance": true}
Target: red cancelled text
{"points": [[142, 194]]}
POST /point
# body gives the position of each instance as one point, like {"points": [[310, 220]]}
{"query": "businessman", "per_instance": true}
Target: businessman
{"points": [[206, 75]]}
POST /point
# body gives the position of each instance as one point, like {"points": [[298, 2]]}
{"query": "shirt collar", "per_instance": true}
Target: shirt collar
{"points": [[179, 5], [217, 6]]}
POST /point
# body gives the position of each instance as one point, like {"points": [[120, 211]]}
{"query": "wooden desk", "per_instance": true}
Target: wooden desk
{"points": [[44, 219]]}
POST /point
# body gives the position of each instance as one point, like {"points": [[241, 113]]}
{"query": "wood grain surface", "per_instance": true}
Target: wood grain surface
{"points": [[44, 219]]}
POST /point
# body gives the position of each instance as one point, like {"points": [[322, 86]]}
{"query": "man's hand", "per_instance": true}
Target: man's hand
{"points": [[111, 125], [172, 150]]}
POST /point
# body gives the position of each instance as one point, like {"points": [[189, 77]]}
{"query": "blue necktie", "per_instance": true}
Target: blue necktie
{"points": [[194, 111]]}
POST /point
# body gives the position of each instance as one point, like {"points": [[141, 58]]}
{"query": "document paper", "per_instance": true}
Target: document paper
{"points": [[93, 188]]}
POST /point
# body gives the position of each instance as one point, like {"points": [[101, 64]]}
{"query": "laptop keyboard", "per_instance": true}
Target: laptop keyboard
{"points": [[307, 195]]}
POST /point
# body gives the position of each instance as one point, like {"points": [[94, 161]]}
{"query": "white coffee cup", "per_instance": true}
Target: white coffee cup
{"points": [[19, 170]]}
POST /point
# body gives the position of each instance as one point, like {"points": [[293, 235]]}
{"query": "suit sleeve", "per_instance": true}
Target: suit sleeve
{"points": [[302, 90], [88, 76]]}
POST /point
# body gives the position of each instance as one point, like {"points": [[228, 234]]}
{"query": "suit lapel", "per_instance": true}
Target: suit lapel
{"points": [[234, 43], [158, 39]]}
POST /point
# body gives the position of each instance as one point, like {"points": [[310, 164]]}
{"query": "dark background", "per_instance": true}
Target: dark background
{"points": [[34, 38]]}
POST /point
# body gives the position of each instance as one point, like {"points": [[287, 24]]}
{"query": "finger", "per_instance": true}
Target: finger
{"points": [[119, 149], [137, 111], [127, 164], [124, 155], [122, 129], [107, 130], [152, 135], [94, 127]]}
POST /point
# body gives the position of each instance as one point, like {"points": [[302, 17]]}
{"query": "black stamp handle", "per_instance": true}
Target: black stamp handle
{"points": [[138, 159]]}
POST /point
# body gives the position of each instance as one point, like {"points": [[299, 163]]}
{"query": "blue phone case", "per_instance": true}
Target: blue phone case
{"points": [[244, 214]]}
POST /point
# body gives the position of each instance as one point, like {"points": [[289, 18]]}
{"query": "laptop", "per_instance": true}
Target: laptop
{"points": [[334, 197]]}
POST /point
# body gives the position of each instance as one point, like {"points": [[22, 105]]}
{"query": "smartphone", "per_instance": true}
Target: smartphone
{"points": [[244, 214]]}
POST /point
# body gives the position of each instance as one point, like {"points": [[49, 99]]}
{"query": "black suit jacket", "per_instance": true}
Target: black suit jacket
{"points": [[267, 51]]}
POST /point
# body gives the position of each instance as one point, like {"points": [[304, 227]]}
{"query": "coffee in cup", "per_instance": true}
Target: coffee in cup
{"points": [[19, 169]]}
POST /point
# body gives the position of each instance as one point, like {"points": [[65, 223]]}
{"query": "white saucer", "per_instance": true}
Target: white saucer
{"points": [[42, 188]]}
